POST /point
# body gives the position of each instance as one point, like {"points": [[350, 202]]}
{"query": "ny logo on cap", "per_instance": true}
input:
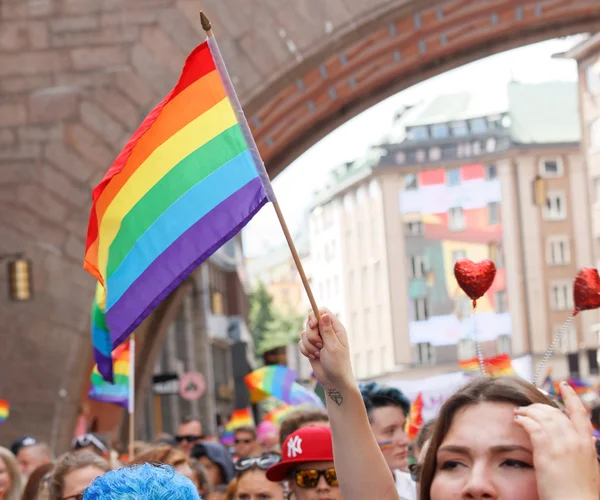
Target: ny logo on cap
{"points": [[294, 448]]}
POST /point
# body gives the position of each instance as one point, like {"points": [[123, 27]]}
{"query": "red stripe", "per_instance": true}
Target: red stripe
{"points": [[198, 64]]}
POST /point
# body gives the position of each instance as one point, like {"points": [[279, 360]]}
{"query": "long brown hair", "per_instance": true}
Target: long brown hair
{"points": [[164, 454], [70, 462], [510, 390]]}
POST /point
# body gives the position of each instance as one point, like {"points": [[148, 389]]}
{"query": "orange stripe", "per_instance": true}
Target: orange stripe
{"points": [[194, 101]]}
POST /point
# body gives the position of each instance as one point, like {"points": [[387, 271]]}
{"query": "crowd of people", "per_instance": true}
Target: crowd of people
{"points": [[496, 438]]}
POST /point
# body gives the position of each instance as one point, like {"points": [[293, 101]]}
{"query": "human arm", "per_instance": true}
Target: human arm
{"points": [[361, 468]]}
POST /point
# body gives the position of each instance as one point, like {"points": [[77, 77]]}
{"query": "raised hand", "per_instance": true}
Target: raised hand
{"points": [[325, 344], [564, 451]]}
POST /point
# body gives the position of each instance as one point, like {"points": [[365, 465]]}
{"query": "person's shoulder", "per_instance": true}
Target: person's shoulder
{"points": [[406, 487]]}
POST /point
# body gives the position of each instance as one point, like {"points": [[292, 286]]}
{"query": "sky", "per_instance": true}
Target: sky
{"points": [[295, 186]]}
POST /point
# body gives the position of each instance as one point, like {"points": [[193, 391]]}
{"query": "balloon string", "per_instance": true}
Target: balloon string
{"points": [[550, 351], [478, 348]]}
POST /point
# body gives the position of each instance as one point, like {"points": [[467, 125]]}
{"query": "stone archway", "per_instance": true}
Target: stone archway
{"points": [[78, 76]]}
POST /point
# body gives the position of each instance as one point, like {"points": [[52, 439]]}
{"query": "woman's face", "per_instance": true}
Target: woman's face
{"points": [[387, 424], [493, 460], [5, 481], [213, 471], [78, 480], [254, 485]]}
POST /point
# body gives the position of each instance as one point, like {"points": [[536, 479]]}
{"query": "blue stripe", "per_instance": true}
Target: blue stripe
{"points": [[101, 340], [177, 219]]}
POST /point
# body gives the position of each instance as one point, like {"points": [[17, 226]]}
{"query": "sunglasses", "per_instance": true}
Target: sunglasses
{"points": [[88, 440], [189, 439], [79, 496], [415, 471], [310, 478], [243, 441], [263, 462]]}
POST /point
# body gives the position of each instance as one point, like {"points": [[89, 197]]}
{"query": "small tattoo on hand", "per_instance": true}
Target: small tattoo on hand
{"points": [[335, 396]]}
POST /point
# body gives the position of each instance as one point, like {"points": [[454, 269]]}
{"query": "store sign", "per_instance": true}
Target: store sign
{"points": [[165, 384]]}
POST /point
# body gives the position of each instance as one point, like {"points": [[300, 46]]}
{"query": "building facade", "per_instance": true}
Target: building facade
{"points": [[461, 178]]}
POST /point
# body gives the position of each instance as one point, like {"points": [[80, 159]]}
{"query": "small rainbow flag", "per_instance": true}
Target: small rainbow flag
{"points": [[186, 182], [4, 410], [280, 382], [239, 418], [278, 414], [415, 417], [118, 392], [495, 367]]}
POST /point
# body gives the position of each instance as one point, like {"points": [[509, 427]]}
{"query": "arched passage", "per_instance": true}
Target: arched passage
{"points": [[78, 76]]}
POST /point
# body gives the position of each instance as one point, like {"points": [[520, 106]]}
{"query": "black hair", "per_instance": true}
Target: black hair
{"points": [[595, 417], [379, 396]]}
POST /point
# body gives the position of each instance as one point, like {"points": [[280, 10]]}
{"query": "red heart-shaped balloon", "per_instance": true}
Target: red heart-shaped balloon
{"points": [[475, 278], [586, 290]]}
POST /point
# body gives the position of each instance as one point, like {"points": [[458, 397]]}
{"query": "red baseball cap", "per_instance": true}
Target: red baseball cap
{"points": [[309, 444]]}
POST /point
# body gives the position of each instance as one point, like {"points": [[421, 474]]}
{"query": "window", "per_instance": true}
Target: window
{"points": [[459, 129], [453, 176], [421, 311], [490, 145], [503, 344], [400, 157], [418, 133], [456, 219], [435, 154], [440, 131], [411, 182], [463, 307], [493, 211], [383, 356], [491, 172], [370, 363], [477, 148], [360, 195], [551, 167], [457, 255], [374, 189], [561, 296], [478, 126], [555, 207], [558, 251], [464, 150], [592, 75], [466, 349], [500, 304], [414, 228], [348, 202], [568, 343], [420, 155], [595, 133], [425, 353], [417, 266]]}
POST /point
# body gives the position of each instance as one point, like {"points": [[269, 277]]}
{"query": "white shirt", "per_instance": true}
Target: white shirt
{"points": [[407, 488]]}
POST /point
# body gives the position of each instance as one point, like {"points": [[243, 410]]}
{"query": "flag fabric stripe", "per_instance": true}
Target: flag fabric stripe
{"points": [[189, 172], [205, 128], [178, 218], [157, 281], [187, 181], [197, 99], [117, 392], [198, 64]]}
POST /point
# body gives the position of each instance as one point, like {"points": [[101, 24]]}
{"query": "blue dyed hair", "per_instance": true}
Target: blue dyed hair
{"points": [[379, 396], [142, 482]]}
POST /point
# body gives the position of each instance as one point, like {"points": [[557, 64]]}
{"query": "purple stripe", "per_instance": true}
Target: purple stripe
{"points": [[105, 365], [286, 386], [102, 398], [192, 248]]}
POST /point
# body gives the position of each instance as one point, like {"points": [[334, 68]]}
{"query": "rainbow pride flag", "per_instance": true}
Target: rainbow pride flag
{"points": [[280, 382], [119, 392], [278, 414], [186, 182], [4, 410], [241, 417], [495, 367], [415, 417]]}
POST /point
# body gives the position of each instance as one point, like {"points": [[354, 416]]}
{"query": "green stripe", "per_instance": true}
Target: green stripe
{"points": [[182, 177], [98, 317], [98, 381]]}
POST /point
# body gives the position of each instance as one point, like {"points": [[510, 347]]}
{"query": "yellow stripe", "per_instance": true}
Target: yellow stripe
{"points": [[194, 135], [121, 368]]}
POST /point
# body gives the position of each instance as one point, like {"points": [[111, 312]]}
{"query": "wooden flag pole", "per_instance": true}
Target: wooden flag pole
{"points": [[206, 26], [131, 403]]}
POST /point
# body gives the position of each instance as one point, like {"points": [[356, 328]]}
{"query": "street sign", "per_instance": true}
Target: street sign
{"points": [[165, 384], [192, 386]]}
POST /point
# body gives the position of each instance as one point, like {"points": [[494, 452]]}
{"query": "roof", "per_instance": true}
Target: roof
{"points": [[582, 49], [460, 106], [544, 113]]}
